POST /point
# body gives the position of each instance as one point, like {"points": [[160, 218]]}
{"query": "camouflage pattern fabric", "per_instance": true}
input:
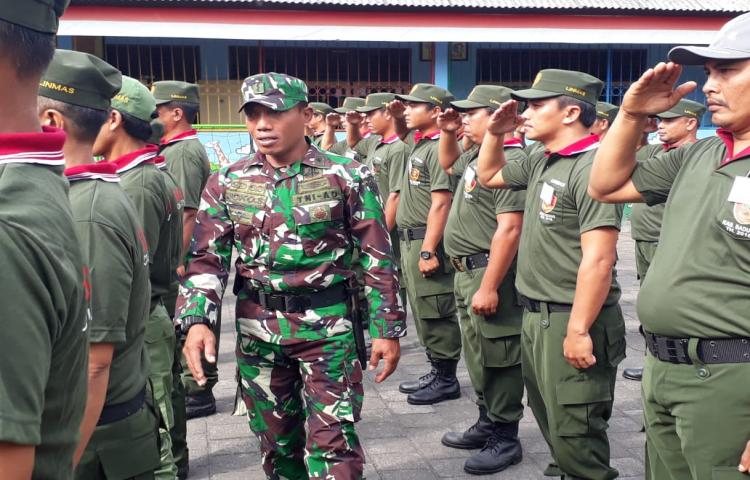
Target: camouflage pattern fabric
{"points": [[325, 399], [273, 90], [295, 230]]}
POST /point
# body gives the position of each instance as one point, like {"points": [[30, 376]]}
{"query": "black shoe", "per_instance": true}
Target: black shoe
{"points": [[474, 437], [553, 470], [633, 374], [502, 450], [200, 404], [182, 470], [411, 386], [444, 386]]}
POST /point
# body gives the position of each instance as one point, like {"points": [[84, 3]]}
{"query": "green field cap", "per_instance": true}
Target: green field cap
{"points": [[39, 15], [684, 108], [428, 93], [606, 111], [321, 108], [80, 79], [173, 91], [375, 101], [554, 83], [134, 99], [276, 91], [350, 104], [484, 96], [731, 43]]}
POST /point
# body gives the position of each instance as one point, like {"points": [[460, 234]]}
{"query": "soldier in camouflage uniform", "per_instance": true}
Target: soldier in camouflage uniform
{"points": [[295, 214]]}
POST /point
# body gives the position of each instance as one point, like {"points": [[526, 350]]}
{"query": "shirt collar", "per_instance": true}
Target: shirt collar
{"points": [[419, 136], [513, 143], [728, 139], [189, 135], [44, 148], [387, 141], [133, 159], [585, 144], [104, 171], [160, 162]]}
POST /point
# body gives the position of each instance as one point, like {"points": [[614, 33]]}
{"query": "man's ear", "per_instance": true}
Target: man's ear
{"points": [[114, 121], [692, 124], [572, 113], [52, 118], [178, 114], [435, 112]]}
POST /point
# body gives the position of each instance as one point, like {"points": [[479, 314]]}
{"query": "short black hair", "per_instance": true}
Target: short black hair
{"points": [[588, 111], [135, 127], [85, 122], [190, 110], [29, 50]]}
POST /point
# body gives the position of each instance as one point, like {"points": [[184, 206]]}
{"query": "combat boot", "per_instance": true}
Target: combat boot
{"points": [[201, 404], [411, 386], [474, 437], [502, 450], [444, 387]]}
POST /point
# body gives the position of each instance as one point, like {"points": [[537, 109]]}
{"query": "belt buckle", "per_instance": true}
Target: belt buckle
{"points": [[456, 262], [263, 299]]}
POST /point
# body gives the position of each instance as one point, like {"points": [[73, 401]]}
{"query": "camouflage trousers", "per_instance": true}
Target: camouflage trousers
{"points": [[313, 387]]}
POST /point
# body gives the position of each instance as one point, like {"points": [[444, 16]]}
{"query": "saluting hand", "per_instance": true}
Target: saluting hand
{"points": [[449, 121], [354, 118], [200, 339], [578, 350], [333, 119], [505, 119], [389, 349], [655, 91], [396, 108]]}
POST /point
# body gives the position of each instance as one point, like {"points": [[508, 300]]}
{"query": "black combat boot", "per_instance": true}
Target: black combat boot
{"points": [[476, 435], [444, 387], [502, 450], [201, 404], [633, 374], [411, 386]]}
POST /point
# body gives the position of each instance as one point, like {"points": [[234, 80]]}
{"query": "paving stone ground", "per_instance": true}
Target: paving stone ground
{"points": [[401, 441]]}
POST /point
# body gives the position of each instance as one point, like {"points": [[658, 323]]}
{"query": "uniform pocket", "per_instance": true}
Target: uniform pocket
{"points": [[320, 227], [501, 352], [734, 219], [727, 473], [436, 306], [583, 405], [615, 336]]}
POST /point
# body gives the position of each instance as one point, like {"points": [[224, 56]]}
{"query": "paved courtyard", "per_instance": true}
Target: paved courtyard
{"points": [[401, 441]]}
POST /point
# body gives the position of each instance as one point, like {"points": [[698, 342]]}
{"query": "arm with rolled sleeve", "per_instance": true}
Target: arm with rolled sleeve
{"points": [[387, 317], [205, 280]]}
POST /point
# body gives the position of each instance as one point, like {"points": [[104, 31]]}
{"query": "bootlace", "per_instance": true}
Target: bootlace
{"points": [[493, 441]]}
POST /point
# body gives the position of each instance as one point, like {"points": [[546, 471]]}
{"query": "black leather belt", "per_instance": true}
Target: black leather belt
{"points": [[298, 303], [535, 306], [472, 262], [121, 411], [408, 234], [709, 350]]}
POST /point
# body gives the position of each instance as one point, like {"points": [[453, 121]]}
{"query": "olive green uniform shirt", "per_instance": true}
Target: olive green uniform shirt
{"points": [[422, 176], [387, 160], [472, 221], [698, 283], [43, 359], [645, 221], [558, 210], [117, 255], [187, 162]]}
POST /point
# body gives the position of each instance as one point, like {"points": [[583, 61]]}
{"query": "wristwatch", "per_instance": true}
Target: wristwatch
{"points": [[188, 322], [426, 255]]}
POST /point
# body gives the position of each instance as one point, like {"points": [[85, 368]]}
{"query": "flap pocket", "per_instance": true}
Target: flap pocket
{"points": [[574, 392], [320, 227], [615, 344], [727, 473]]}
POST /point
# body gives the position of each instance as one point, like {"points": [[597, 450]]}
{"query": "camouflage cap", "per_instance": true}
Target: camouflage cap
{"points": [[134, 99], [684, 108], [350, 104], [81, 79], [375, 101], [428, 93], [39, 15], [276, 91], [173, 91], [321, 108], [555, 83], [606, 111], [731, 43], [484, 96]]}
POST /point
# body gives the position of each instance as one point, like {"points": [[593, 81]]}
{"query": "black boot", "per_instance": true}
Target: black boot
{"points": [[502, 450], [476, 435], [444, 387], [633, 374], [411, 386], [200, 404]]}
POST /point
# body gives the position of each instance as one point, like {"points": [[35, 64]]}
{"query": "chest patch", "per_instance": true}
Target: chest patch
{"points": [[323, 195], [313, 185], [470, 180]]}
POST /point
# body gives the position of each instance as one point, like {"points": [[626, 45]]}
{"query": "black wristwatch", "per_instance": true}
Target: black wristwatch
{"points": [[188, 322], [426, 255]]}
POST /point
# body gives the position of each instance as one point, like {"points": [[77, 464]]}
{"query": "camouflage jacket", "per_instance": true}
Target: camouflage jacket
{"points": [[295, 229]]}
